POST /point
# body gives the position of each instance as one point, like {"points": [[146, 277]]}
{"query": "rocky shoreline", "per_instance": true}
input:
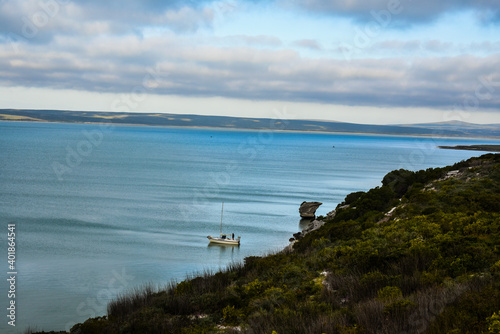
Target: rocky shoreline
{"points": [[313, 225]]}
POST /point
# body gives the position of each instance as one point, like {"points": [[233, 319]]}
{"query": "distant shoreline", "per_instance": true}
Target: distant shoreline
{"points": [[436, 130], [319, 132], [486, 148]]}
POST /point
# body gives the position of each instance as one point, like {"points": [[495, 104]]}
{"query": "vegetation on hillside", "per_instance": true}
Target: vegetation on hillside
{"points": [[419, 254]]}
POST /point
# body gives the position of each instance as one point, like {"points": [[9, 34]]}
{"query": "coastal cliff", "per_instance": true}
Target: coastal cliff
{"points": [[419, 254]]}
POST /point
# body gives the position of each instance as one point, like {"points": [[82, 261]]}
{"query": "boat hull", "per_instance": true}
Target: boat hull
{"points": [[224, 241]]}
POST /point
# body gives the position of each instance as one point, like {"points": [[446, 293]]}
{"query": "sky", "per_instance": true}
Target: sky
{"points": [[361, 61]]}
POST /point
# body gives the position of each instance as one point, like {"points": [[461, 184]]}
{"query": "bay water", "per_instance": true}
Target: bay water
{"points": [[100, 210]]}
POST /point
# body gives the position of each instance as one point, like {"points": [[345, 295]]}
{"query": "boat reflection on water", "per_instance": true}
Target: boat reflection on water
{"points": [[226, 254]]}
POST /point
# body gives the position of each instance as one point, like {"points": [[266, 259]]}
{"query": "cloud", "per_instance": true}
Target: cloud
{"points": [[308, 44], [413, 47], [175, 66], [486, 46], [36, 21], [264, 40], [187, 19], [399, 12]]}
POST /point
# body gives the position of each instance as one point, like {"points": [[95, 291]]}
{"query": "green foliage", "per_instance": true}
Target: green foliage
{"points": [[352, 197], [398, 307], [389, 293], [231, 316], [495, 269], [254, 288], [92, 326], [469, 309], [183, 287], [399, 181], [494, 323], [373, 281]]}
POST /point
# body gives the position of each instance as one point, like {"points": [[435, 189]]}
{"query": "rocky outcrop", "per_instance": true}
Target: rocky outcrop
{"points": [[312, 226], [308, 209], [330, 215]]}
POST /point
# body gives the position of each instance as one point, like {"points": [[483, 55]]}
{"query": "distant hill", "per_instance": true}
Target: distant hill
{"points": [[468, 129], [159, 119]]}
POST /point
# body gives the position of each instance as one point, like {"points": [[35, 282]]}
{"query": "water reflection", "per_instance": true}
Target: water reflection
{"points": [[225, 253]]}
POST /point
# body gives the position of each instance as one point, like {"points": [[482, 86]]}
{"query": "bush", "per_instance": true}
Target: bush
{"points": [[232, 316], [494, 323], [92, 326], [399, 181], [389, 293], [495, 269], [398, 307]]}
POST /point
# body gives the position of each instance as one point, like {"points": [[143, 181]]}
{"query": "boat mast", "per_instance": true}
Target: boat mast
{"points": [[221, 213]]}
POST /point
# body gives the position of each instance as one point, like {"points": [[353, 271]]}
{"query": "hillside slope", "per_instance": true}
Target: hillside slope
{"points": [[420, 254]]}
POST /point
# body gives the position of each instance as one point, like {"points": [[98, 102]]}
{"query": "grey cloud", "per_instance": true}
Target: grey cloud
{"points": [[412, 46], [487, 46], [489, 15], [40, 21], [249, 73], [309, 44], [187, 19], [398, 45], [399, 12], [437, 46]]}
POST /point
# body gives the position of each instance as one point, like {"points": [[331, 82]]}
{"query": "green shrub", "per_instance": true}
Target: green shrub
{"points": [[373, 281], [399, 181], [494, 323], [398, 307], [232, 316], [184, 287], [389, 293], [92, 326], [495, 269]]}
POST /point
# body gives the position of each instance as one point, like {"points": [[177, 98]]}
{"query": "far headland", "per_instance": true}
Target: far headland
{"points": [[486, 148]]}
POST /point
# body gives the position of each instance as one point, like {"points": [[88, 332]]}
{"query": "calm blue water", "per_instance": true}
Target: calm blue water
{"points": [[101, 210]]}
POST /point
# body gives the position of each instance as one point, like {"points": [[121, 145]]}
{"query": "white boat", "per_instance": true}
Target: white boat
{"points": [[224, 239]]}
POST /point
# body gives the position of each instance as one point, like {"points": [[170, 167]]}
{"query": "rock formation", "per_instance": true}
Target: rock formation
{"points": [[312, 226], [308, 209]]}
